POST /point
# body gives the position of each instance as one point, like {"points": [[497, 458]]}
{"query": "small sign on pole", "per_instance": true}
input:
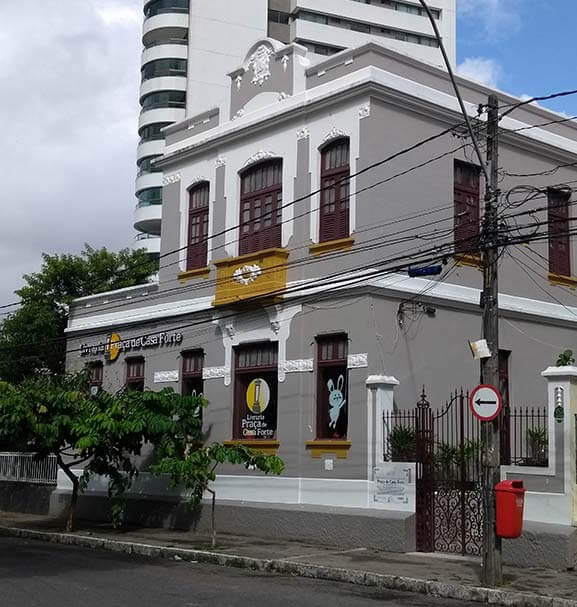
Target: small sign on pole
{"points": [[485, 402]]}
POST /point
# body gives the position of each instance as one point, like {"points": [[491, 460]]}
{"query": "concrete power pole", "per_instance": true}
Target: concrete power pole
{"points": [[492, 561]]}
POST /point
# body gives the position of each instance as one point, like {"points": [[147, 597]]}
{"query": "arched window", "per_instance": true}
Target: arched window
{"points": [[198, 226], [334, 210], [260, 207]]}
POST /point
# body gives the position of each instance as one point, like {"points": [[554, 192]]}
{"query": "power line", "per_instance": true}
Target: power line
{"points": [[527, 270], [337, 281], [514, 106]]}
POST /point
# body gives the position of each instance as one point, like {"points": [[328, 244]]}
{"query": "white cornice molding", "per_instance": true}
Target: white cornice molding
{"points": [[377, 83], [395, 285], [139, 314]]}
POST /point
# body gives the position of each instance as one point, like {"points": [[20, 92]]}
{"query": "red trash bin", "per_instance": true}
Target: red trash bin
{"points": [[510, 500]]}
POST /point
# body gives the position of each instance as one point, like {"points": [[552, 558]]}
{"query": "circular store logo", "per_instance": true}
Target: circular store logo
{"points": [[257, 395]]}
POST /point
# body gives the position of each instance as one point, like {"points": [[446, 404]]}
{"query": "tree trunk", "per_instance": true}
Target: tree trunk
{"points": [[212, 519], [74, 499]]}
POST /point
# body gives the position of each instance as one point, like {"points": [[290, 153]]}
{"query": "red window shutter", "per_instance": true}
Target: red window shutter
{"points": [[198, 226], [559, 242], [466, 203], [261, 208], [334, 200]]}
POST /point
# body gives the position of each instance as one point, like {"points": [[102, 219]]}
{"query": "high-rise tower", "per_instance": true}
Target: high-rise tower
{"points": [[191, 45]]}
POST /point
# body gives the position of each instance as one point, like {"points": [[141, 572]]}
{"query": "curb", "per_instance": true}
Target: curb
{"points": [[288, 567]]}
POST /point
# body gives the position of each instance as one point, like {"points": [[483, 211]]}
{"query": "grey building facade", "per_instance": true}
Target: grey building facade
{"points": [[290, 217]]}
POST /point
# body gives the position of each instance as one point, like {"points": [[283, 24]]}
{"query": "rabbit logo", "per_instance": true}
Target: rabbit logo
{"points": [[336, 400]]}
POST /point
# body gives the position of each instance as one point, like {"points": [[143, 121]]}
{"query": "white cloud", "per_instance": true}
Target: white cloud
{"points": [[497, 18], [114, 15], [484, 70], [70, 110]]}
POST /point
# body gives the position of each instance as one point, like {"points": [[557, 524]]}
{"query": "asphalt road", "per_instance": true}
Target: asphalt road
{"points": [[38, 574]]}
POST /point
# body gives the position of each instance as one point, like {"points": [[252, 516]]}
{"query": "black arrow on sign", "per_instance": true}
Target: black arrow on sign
{"points": [[485, 402]]}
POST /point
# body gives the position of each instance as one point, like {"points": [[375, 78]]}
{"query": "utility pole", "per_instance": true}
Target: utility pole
{"points": [[492, 562]]}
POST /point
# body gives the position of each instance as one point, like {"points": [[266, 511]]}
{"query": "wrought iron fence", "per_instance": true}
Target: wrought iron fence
{"points": [[25, 468], [528, 436], [524, 437]]}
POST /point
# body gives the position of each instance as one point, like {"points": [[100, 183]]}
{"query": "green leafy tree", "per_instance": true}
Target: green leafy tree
{"points": [[32, 338], [103, 433], [194, 468]]}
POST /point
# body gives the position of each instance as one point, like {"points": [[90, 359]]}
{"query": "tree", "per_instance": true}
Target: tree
{"points": [[57, 415], [32, 338], [194, 469]]}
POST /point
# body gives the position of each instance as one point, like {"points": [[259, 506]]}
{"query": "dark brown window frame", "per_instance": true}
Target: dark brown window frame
{"points": [[335, 224], [135, 382], [467, 209], [198, 209], [97, 378], [336, 341], [190, 378], [558, 223], [253, 237], [239, 371]]}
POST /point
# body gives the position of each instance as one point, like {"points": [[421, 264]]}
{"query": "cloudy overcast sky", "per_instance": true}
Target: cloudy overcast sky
{"points": [[69, 76]]}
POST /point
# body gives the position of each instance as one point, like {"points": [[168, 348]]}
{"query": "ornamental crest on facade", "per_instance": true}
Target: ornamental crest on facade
{"points": [[260, 64], [247, 274]]}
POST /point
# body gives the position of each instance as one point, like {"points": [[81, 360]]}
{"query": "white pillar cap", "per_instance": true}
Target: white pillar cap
{"points": [[559, 372], [385, 380]]}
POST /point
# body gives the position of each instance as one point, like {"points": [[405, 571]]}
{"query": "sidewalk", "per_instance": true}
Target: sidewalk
{"points": [[443, 575]]}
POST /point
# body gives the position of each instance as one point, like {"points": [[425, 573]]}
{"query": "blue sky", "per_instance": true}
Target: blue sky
{"points": [[525, 47]]}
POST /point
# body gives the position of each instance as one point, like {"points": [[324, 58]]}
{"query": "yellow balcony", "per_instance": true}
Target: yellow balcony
{"points": [[253, 275]]}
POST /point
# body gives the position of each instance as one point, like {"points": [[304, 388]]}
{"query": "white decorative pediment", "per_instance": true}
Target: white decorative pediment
{"points": [[247, 274], [215, 372], [334, 133], [259, 157], [175, 178], [161, 377], [298, 366], [196, 180], [365, 111], [259, 62], [303, 133], [357, 361]]}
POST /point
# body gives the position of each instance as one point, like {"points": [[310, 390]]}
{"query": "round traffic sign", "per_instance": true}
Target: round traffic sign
{"points": [[485, 402]]}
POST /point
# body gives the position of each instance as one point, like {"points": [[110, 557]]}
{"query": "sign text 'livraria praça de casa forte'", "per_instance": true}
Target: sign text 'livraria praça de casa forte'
{"points": [[114, 344]]}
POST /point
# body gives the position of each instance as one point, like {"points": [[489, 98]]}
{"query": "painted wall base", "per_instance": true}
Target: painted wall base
{"points": [[384, 530], [543, 545], [25, 498]]}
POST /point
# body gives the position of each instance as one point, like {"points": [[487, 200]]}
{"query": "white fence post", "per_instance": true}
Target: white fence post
{"points": [[380, 399], [562, 397]]}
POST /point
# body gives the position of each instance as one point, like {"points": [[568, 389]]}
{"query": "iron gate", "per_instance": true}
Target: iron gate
{"points": [[446, 446]]}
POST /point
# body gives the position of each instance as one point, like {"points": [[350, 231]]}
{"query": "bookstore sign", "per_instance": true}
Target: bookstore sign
{"points": [[115, 345]]}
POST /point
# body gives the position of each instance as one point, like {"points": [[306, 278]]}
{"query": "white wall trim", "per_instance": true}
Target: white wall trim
{"points": [[399, 284], [336, 492], [246, 331]]}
